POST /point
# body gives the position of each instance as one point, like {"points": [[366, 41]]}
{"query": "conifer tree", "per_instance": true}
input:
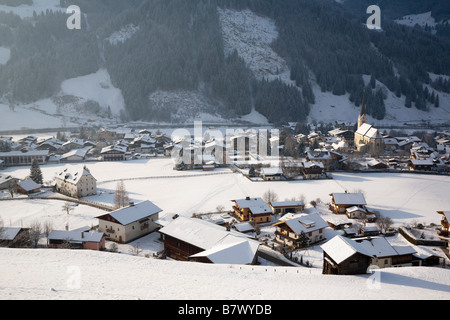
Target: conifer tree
{"points": [[36, 173]]}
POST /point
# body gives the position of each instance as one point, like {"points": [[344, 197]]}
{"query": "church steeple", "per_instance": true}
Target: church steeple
{"points": [[362, 116]]}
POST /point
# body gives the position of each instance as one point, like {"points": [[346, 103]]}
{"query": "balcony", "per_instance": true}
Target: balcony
{"points": [[111, 231]]}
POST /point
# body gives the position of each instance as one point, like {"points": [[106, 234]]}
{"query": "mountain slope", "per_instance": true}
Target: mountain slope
{"points": [[294, 60]]}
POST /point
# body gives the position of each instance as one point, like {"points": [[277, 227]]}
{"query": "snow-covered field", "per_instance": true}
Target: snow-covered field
{"points": [[403, 197], [60, 274]]}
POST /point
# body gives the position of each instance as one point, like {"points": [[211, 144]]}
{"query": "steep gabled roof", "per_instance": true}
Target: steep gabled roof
{"points": [[340, 249], [133, 213], [305, 223], [349, 198]]}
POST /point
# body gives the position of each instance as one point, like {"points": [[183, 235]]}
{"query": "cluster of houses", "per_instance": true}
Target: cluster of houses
{"points": [[106, 145], [215, 241]]}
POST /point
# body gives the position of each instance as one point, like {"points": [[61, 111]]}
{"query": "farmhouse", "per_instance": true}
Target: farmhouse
{"points": [[252, 209], [283, 207], [343, 256], [349, 256], [271, 174], [113, 153], [77, 239], [130, 223], [291, 231], [76, 182], [188, 239], [313, 170], [421, 165], [341, 201], [385, 255]]}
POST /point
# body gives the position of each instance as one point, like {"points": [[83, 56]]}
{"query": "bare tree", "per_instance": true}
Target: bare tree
{"points": [[136, 249], [220, 208], [383, 223], [270, 196], [47, 227], [35, 233], [67, 207], [121, 198]]}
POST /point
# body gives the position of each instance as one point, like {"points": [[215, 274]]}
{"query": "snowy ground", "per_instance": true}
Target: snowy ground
{"points": [[404, 197], [60, 274]]}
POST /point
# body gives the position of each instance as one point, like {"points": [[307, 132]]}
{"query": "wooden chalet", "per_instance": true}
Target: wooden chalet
{"points": [[343, 256], [252, 209], [27, 187], [14, 237], [421, 165], [354, 256], [188, 239], [289, 232], [313, 170], [341, 201]]}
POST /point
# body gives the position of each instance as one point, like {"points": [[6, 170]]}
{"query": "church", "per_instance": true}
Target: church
{"points": [[367, 138]]}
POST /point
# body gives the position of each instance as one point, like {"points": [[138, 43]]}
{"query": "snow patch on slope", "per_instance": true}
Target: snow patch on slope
{"points": [[5, 55], [422, 19], [39, 6], [96, 87], [252, 35], [123, 34]]}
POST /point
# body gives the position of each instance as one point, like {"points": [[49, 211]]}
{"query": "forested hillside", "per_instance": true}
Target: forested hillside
{"points": [[178, 45]]}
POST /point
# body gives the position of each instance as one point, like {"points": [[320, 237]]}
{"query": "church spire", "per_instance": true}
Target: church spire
{"points": [[363, 108], [362, 116]]}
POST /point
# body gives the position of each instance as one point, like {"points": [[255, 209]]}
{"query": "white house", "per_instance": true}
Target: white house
{"points": [[127, 224], [76, 182]]}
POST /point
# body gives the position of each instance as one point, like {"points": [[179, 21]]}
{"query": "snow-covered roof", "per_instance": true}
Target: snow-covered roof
{"points": [[310, 164], [79, 235], [340, 249], [31, 153], [255, 205], [77, 152], [220, 245], [305, 223], [73, 174], [422, 162], [349, 198], [272, 171], [114, 148], [8, 234], [135, 212], [379, 247], [28, 185]]}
